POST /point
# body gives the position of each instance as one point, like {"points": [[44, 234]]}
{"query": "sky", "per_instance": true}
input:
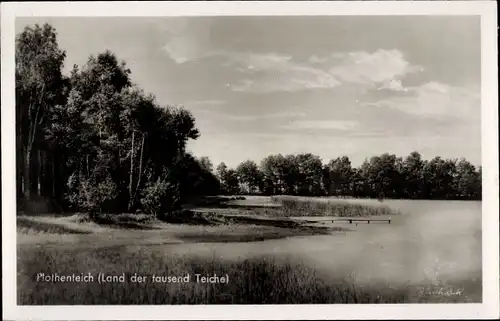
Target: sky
{"points": [[355, 86]]}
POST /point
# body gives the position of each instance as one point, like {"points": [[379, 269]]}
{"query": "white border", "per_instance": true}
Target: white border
{"points": [[488, 309]]}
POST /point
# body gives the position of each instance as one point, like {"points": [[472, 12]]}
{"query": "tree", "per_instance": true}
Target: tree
{"points": [[309, 174], [109, 131], [340, 175], [221, 171], [228, 179], [381, 176], [467, 180], [194, 178], [438, 176], [231, 182], [249, 175], [273, 169], [289, 170], [98, 99], [206, 164], [160, 198], [359, 184], [412, 174], [39, 86], [479, 176]]}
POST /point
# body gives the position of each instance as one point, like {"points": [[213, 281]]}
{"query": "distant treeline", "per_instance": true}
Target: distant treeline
{"points": [[93, 141], [384, 176]]}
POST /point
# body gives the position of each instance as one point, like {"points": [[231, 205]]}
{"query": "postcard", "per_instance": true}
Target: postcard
{"points": [[250, 160]]}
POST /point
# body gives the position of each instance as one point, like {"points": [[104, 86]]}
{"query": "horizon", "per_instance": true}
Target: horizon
{"points": [[348, 91]]}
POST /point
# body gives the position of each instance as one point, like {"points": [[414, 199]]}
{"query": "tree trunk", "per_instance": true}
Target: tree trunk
{"points": [[46, 192], [87, 165], [131, 177], [53, 177], [40, 173], [27, 176], [35, 164], [140, 173], [59, 179], [19, 171], [30, 179], [29, 136]]}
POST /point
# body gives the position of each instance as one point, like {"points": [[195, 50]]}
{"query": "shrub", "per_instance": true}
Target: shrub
{"points": [[96, 193], [160, 198]]}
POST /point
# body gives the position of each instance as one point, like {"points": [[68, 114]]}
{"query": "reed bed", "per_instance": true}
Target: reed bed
{"points": [[308, 206]]}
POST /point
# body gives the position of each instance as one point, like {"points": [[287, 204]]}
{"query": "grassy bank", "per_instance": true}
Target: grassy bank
{"points": [[260, 280], [126, 229], [308, 206]]}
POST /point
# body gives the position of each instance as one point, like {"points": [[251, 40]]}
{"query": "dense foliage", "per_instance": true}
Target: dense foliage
{"points": [[92, 141], [384, 176]]}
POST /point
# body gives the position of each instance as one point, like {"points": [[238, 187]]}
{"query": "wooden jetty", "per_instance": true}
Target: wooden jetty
{"points": [[350, 220]]}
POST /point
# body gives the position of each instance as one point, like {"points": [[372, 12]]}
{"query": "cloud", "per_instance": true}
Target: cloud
{"points": [[322, 124], [182, 50], [187, 41], [257, 61], [317, 60], [231, 117], [267, 72], [394, 85], [379, 67], [437, 100], [271, 72], [204, 103], [286, 82], [434, 86]]}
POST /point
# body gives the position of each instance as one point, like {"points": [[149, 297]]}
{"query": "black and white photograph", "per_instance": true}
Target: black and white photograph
{"points": [[217, 157]]}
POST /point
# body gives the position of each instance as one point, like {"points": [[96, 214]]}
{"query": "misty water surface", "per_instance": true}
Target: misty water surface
{"points": [[430, 240]]}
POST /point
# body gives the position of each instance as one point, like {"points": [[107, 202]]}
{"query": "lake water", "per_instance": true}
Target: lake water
{"points": [[429, 240]]}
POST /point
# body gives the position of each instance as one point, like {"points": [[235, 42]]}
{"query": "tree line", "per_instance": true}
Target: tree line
{"points": [[93, 141], [384, 176]]}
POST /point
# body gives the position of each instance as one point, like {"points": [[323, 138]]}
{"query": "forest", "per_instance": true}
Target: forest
{"points": [[93, 141]]}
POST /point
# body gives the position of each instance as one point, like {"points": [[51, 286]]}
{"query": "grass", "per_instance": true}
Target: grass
{"points": [[247, 234], [308, 206], [259, 280], [125, 229], [25, 225]]}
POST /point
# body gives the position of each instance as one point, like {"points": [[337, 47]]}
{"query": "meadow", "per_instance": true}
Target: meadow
{"points": [[430, 253]]}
